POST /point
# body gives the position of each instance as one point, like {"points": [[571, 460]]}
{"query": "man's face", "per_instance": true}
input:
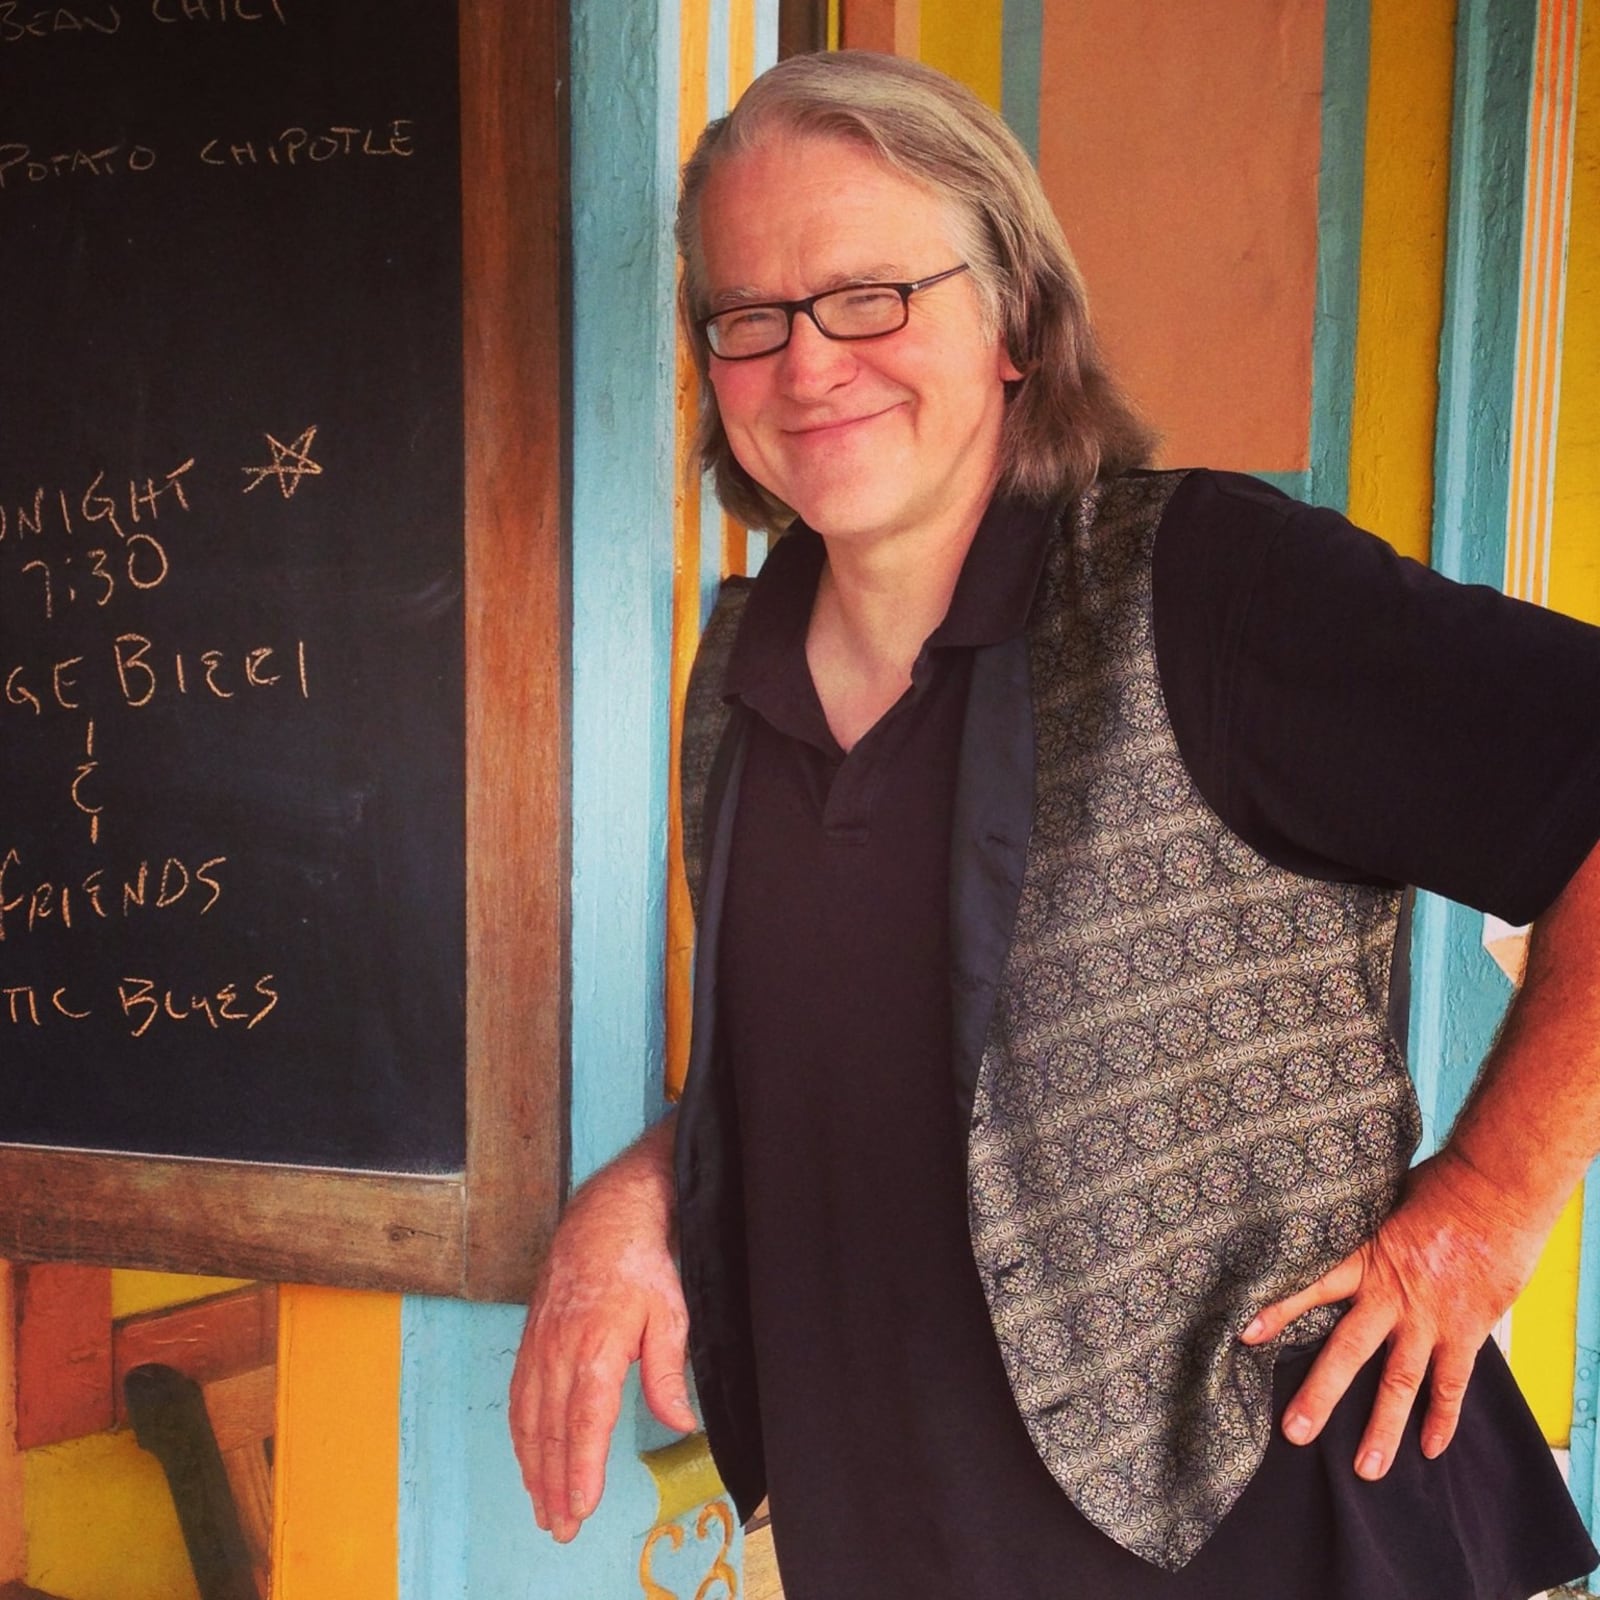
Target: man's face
{"points": [[865, 439]]}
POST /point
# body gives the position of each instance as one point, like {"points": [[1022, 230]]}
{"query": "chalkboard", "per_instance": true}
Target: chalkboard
{"points": [[239, 691]]}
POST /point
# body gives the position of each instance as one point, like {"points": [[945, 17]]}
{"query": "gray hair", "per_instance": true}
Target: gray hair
{"points": [[1066, 421]]}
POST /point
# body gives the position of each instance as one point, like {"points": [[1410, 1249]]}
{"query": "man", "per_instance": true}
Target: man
{"points": [[1039, 1178]]}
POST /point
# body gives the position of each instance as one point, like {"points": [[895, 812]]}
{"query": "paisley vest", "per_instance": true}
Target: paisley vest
{"points": [[1185, 1101]]}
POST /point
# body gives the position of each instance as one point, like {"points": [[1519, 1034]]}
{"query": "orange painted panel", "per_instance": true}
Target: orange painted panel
{"points": [[1180, 145], [337, 1455], [892, 26], [63, 1353]]}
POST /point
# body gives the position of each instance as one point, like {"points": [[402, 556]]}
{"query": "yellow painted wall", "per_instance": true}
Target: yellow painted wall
{"points": [[1575, 557], [133, 1293], [101, 1524], [964, 40], [1406, 202], [1544, 1328]]}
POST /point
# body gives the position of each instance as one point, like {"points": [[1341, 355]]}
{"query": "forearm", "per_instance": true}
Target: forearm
{"points": [[639, 1181], [1532, 1124]]}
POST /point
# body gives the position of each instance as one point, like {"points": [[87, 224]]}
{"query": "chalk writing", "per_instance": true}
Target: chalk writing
{"points": [[218, 11], [19, 22], [232, 832], [224, 1005], [20, 162], [296, 146], [87, 769], [50, 508], [142, 561], [30, 900], [133, 671], [141, 1002], [224, 676]]}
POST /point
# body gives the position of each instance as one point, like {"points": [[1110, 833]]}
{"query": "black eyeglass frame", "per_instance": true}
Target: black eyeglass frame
{"points": [[793, 308]]}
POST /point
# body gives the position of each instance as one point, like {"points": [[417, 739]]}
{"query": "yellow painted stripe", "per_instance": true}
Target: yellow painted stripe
{"points": [[694, 43], [741, 47], [741, 70], [1544, 1328], [1575, 540], [735, 547], [337, 1456], [685, 1476], [1564, 117], [963, 40], [1406, 185], [685, 636]]}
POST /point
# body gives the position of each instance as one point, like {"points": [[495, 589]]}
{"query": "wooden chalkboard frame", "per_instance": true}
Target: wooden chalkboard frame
{"points": [[480, 1234]]}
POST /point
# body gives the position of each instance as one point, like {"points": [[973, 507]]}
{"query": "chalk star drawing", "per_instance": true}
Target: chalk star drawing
{"points": [[290, 463]]}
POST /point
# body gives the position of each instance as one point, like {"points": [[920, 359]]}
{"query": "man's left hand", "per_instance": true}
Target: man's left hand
{"points": [[1431, 1284]]}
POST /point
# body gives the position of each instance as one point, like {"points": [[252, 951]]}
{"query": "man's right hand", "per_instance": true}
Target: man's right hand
{"points": [[608, 1296]]}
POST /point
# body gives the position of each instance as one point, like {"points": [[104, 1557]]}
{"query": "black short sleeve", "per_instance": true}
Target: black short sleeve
{"points": [[1354, 715]]}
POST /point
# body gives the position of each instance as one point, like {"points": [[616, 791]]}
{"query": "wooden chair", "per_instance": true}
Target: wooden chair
{"points": [[214, 1442]]}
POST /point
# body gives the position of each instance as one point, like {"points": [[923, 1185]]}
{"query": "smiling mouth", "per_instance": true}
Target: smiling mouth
{"points": [[836, 425]]}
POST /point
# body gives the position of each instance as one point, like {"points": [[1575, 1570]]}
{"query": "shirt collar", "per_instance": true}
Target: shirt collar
{"points": [[772, 634], [994, 593], [991, 602]]}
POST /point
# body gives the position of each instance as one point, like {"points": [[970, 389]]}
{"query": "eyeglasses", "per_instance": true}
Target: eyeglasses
{"points": [[860, 311]]}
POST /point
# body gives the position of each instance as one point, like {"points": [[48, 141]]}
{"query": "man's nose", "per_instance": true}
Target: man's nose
{"points": [[811, 361]]}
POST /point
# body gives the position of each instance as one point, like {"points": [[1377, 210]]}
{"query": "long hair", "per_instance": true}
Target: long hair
{"points": [[1066, 421]]}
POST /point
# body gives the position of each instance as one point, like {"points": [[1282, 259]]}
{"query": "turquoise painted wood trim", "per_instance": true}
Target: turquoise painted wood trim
{"points": [[718, 68], [1021, 51], [624, 188], [1458, 994], [766, 34], [465, 1525], [1478, 343], [435, 1450], [1346, 50], [1582, 1475]]}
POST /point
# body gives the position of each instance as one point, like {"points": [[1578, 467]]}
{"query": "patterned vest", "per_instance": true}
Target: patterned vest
{"points": [[1189, 1103]]}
